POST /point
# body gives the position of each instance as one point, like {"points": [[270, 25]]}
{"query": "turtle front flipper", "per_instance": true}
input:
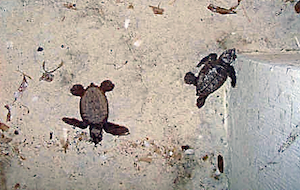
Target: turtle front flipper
{"points": [[75, 122], [231, 74], [208, 59], [115, 129], [77, 90], [201, 101]]}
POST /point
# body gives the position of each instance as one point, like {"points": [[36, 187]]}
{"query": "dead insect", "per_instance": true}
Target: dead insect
{"points": [[157, 10], [70, 6], [4, 127], [297, 7], [220, 163], [47, 75], [8, 116]]}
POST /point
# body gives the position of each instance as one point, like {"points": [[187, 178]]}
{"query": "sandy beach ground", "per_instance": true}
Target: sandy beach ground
{"points": [[147, 60]]}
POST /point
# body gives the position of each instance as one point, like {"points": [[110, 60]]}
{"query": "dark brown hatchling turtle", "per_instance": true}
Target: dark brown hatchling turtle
{"points": [[94, 111], [212, 75]]}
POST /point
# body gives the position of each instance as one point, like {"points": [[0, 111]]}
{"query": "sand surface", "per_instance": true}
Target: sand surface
{"points": [[147, 62]]}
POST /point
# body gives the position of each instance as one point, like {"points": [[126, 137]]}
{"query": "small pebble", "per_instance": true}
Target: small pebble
{"points": [[16, 132], [40, 49]]}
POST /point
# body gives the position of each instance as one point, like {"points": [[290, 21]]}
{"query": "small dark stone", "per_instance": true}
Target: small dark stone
{"points": [[40, 49], [51, 134], [185, 147], [62, 46], [16, 132]]}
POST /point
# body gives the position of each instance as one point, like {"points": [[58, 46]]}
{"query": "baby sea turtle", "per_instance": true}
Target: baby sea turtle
{"points": [[94, 111], [212, 75]]}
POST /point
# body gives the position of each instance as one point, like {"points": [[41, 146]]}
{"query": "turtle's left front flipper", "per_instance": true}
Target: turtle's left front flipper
{"points": [[115, 129]]}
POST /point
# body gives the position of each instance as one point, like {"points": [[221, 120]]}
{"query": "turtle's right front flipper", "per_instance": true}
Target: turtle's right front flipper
{"points": [[75, 122], [115, 129]]}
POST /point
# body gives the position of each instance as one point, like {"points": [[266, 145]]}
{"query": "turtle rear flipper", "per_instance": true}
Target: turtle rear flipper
{"points": [[115, 129], [75, 122], [190, 78], [201, 101]]}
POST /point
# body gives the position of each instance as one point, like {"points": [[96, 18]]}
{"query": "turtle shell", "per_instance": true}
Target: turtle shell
{"points": [[211, 77], [93, 105]]}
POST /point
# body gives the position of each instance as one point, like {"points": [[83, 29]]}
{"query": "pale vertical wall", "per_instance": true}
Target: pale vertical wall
{"points": [[263, 114]]}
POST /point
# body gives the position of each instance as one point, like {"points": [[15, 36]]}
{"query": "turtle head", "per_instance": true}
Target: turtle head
{"points": [[107, 85], [228, 56], [190, 78]]}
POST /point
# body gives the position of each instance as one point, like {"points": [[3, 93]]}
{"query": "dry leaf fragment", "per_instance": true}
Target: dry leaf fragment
{"points": [[8, 116], [145, 159], [47, 75], [4, 127], [157, 10], [220, 10]]}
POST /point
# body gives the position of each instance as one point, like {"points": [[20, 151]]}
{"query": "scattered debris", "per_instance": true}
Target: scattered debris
{"points": [[4, 139], [220, 163], [204, 158], [22, 87], [65, 140], [126, 24], [297, 7], [65, 145], [70, 6], [189, 151], [293, 136], [130, 6], [221, 10], [47, 75], [4, 127], [8, 116], [157, 10]]}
